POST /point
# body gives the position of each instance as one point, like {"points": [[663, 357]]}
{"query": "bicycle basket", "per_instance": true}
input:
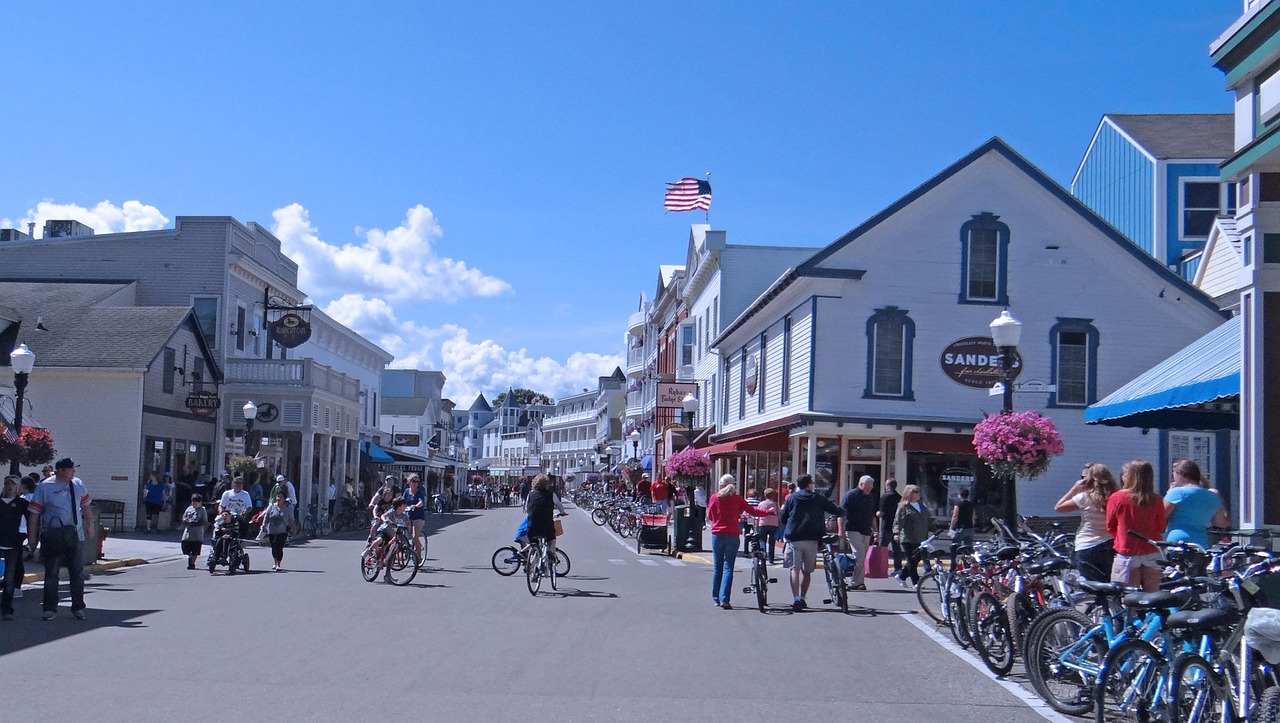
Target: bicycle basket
{"points": [[1262, 631]]}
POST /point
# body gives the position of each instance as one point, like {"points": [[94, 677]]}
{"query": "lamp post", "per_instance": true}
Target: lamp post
{"points": [[635, 443], [23, 360], [690, 404], [250, 413], [1006, 331]]}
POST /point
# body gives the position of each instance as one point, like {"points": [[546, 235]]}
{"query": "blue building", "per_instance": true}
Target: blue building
{"points": [[1155, 178]]}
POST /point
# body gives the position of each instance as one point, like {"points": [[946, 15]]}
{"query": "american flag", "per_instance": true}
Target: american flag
{"points": [[688, 194]]}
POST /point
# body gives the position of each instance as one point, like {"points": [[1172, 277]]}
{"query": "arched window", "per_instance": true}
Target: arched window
{"points": [[890, 338], [1074, 361], [984, 261]]}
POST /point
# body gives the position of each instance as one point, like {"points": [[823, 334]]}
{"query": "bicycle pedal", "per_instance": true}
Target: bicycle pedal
{"points": [[826, 602], [772, 580], [748, 590]]}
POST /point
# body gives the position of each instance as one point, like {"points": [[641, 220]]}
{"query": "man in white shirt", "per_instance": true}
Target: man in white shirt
{"points": [[236, 500]]}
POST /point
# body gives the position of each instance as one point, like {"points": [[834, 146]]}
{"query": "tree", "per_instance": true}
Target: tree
{"points": [[524, 396]]}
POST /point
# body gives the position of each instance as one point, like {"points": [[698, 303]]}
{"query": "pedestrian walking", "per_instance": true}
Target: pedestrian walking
{"points": [[1094, 551], [12, 511], [195, 520], [803, 519], [768, 526], [889, 500], [859, 518], [724, 513], [56, 519], [910, 527], [277, 520], [153, 500], [1137, 507]]}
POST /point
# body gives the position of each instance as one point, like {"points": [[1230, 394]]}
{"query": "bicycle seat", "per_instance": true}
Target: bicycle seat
{"points": [[1164, 599], [1109, 589], [830, 539], [1201, 620], [1008, 552], [961, 549], [1046, 566]]}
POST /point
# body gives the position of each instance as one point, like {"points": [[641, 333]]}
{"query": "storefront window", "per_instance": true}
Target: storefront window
{"points": [[940, 475]]}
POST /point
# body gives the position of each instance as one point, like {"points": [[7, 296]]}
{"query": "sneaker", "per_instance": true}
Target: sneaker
{"points": [[77, 614], [47, 615], [803, 604], [725, 605], [797, 606], [858, 586], [715, 602], [903, 582]]}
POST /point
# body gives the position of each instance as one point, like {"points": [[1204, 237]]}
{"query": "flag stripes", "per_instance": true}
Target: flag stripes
{"points": [[688, 194]]}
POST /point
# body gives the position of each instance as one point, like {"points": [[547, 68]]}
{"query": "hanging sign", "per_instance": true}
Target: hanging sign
{"points": [[203, 403], [290, 330], [974, 362]]}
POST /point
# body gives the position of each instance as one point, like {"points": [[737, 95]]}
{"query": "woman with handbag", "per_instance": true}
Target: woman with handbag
{"points": [[910, 527], [276, 521]]}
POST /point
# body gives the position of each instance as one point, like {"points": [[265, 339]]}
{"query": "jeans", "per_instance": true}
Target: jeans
{"points": [[886, 540], [724, 548], [770, 541], [912, 561], [56, 551]]}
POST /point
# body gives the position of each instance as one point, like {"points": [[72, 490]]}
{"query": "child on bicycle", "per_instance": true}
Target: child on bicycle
{"points": [[522, 534], [391, 519]]}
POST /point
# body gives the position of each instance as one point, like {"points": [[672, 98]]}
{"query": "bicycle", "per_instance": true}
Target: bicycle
{"points": [[759, 572], [311, 526], [508, 560], [536, 567], [395, 556], [839, 594]]}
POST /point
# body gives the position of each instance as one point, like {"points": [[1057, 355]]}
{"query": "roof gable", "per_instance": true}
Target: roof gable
{"points": [[997, 146], [1222, 259], [1206, 136]]}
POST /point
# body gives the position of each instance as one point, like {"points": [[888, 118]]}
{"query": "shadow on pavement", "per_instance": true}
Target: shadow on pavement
{"points": [[27, 630], [571, 592]]}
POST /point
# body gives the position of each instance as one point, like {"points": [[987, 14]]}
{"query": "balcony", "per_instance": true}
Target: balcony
{"points": [[635, 324], [298, 373], [635, 409], [635, 361]]}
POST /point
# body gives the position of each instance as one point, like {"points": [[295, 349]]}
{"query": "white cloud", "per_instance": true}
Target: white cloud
{"points": [[469, 367], [105, 217], [400, 264]]}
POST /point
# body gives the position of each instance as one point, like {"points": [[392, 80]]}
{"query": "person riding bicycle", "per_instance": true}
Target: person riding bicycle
{"points": [[541, 506], [522, 533], [380, 503], [415, 497], [389, 521]]}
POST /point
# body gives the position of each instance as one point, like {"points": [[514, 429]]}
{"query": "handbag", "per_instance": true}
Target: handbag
{"points": [[877, 562], [559, 528]]}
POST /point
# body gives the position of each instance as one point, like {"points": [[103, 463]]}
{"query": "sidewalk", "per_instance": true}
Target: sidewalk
{"points": [[124, 549]]}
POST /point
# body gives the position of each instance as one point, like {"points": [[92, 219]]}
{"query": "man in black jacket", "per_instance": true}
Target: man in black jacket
{"points": [[803, 517]]}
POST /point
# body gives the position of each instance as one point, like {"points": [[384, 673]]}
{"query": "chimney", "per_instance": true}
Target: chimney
{"points": [[31, 228]]}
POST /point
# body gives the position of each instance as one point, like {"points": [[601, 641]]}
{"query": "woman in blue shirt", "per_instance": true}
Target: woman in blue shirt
{"points": [[1191, 507], [153, 500], [415, 498]]}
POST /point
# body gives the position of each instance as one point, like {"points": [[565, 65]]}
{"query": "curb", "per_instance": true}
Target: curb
{"points": [[34, 577]]}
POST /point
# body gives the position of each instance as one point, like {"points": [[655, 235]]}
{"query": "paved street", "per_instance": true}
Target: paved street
{"points": [[625, 637]]}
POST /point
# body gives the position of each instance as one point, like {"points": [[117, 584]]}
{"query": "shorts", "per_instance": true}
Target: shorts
{"points": [[191, 547], [153, 509], [801, 555], [1123, 565]]}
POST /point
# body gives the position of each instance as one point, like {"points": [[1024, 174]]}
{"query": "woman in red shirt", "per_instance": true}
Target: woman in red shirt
{"points": [[723, 512], [1137, 507]]}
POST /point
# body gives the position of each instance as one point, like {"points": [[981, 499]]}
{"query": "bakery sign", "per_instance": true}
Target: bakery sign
{"points": [[974, 362]]}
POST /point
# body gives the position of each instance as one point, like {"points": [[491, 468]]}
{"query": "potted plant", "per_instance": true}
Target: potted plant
{"points": [[687, 467], [1017, 444], [32, 447]]}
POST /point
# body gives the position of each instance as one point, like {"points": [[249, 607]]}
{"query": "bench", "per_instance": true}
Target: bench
{"points": [[109, 510]]}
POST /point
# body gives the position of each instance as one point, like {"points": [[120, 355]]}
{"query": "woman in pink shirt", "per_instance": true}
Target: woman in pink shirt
{"points": [[723, 513], [1137, 507]]}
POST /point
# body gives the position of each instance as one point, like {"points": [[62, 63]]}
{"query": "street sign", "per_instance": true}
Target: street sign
{"points": [[1028, 387]]}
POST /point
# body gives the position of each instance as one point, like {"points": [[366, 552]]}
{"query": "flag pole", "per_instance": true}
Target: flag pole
{"points": [[708, 216]]}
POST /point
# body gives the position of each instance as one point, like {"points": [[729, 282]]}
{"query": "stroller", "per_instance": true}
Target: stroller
{"points": [[228, 548]]}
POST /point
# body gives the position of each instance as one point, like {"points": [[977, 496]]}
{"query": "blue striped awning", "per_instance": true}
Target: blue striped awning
{"points": [[1196, 388]]}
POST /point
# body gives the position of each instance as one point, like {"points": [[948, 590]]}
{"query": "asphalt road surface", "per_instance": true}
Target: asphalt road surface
{"points": [[626, 637]]}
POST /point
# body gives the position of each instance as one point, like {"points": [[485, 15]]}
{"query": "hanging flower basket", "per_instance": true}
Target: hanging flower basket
{"points": [[688, 466], [1017, 444], [33, 447]]}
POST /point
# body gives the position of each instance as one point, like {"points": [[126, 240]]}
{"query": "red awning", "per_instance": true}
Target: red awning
{"points": [[938, 443], [776, 441]]}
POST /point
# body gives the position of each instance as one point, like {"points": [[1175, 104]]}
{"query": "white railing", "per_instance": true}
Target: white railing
{"points": [[292, 373]]}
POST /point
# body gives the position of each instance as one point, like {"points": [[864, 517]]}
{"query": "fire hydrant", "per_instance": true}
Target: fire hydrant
{"points": [[102, 537]]}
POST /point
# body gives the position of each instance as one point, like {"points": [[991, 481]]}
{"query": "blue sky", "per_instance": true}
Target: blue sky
{"points": [[478, 186]]}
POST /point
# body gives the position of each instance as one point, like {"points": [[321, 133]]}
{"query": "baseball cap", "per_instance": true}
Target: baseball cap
{"points": [[279, 478], [64, 463], [389, 477]]}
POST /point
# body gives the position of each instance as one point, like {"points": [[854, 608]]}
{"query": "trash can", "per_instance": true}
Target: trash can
{"points": [[689, 520]]}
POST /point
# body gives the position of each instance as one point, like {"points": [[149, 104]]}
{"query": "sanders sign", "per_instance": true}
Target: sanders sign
{"points": [[974, 362]]}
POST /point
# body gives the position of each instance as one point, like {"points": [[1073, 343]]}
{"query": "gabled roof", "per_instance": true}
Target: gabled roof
{"points": [[812, 267], [1223, 240], [1208, 136], [112, 337]]}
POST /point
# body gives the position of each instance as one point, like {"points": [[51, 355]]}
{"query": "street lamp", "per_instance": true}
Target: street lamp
{"points": [[250, 413], [1006, 331], [635, 443], [690, 404], [23, 360]]}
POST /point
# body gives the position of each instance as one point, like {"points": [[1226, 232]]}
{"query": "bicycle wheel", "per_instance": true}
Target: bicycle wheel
{"points": [[1196, 692], [1061, 665], [551, 572], [562, 563], [370, 565], [324, 527], [761, 584], [1267, 707], [991, 634], [402, 564], [958, 617], [1130, 685], [533, 570], [600, 516], [929, 595], [506, 561], [842, 592]]}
